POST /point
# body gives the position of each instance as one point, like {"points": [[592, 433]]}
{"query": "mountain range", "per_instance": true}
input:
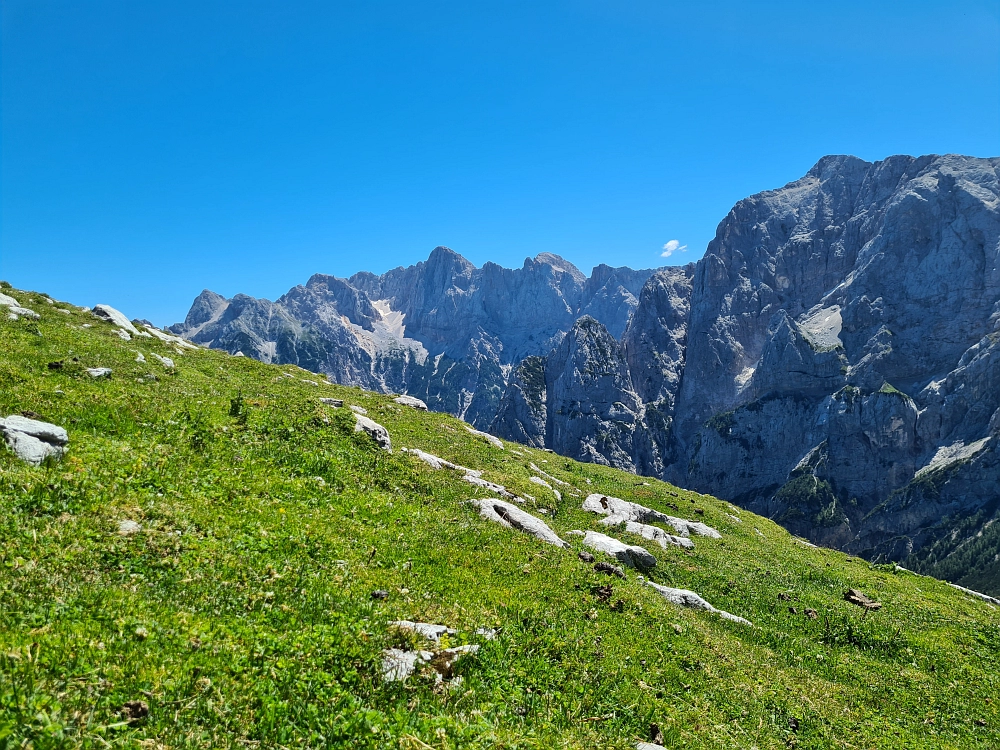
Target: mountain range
{"points": [[832, 362]]}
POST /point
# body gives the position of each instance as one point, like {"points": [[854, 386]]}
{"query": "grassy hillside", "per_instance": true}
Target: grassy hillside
{"points": [[242, 612]]}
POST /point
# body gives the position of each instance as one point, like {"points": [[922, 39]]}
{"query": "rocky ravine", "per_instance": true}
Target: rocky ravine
{"points": [[831, 362]]}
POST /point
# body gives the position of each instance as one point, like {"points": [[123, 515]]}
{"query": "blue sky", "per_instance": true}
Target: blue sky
{"points": [[152, 149]]}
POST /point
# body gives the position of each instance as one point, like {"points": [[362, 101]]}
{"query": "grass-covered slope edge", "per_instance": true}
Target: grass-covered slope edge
{"points": [[241, 614]]}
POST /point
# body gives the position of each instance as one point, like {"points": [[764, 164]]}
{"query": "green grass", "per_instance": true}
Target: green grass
{"points": [[242, 613]]}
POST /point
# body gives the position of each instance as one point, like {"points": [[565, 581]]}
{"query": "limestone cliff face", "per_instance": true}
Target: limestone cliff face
{"points": [[442, 330], [833, 361]]}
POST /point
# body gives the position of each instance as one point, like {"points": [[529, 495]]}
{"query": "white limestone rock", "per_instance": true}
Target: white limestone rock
{"points": [[620, 511], [377, 432], [110, 314], [428, 630], [655, 534], [165, 361], [99, 372], [491, 439], [686, 598], [358, 409], [631, 555], [513, 517], [499, 489], [416, 403], [128, 528]]}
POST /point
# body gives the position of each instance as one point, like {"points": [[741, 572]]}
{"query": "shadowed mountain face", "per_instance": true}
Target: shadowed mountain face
{"points": [[831, 362]]}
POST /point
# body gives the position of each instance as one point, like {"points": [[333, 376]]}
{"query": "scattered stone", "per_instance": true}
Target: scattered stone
{"points": [[128, 528], [487, 634], [857, 598], [784, 597], [648, 746], [123, 334], [397, 664], [540, 482], [586, 557], [416, 403], [793, 610], [380, 594], [167, 338], [811, 614], [499, 489], [492, 440], [548, 476], [336, 403], [99, 372], [135, 710], [618, 511], [33, 441], [239, 354], [631, 555], [735, 518], [970, 592], [377, 432], [359, 409], [439, 463], [111, 315], [139, 358], [608, 568], [686, 598], [141, 633], [165, 361], [658, 535], [427, 630], [310, 382], [515, 518]]}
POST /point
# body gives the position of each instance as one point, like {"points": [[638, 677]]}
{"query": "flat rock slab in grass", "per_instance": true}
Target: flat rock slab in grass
{"points": [[128, 528], [686, 598], [165, 361], [656, 534], [628, 554], [99, 372], [491, 439], [619, 511], [970, 592], [548, 476], [428, 630], [515, 518], [110, 314], [377, 432], [175, 340], [857, 598], [336, 403], [439, 463], [398, 664], [474, 478], [33, 441], [358, 409], [416, 403]]}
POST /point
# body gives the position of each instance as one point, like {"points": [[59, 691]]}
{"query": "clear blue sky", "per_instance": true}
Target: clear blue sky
{"points": [[152, 149]]}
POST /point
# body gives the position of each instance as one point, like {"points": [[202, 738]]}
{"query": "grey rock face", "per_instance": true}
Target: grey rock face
{"points": [[33, 441], [377, 432], [442, 331], [513, 517]]}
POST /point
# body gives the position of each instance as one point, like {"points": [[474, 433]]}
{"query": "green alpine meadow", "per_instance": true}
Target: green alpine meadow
{"points": [[221, 558]]}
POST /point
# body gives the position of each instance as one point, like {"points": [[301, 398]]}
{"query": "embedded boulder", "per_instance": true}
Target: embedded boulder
{"points": [[33, 441], [377, 432], [686, 598], [513, 517], [628, 554]]}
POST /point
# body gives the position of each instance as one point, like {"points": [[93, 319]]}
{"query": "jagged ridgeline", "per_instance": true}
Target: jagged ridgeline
{"points": [[198, 549], [830, 362]]}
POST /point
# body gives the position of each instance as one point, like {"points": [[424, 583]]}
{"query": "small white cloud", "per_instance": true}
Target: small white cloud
{"points": [[672, 247]]}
